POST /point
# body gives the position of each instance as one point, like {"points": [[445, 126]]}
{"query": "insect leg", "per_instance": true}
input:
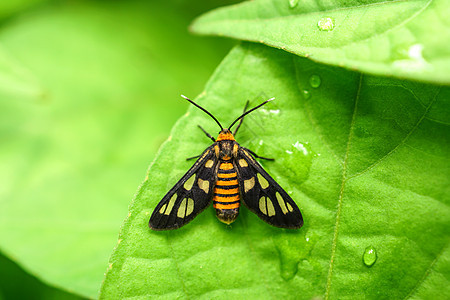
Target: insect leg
{"points": [[189, 158], [257, 156], [240, 122], [207, 134]]}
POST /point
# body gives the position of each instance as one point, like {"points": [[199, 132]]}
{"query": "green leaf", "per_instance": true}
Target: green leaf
{"points": [[11, 7], [15, 283], [406, 39], [88, 92], [17, 83], [365, 158]]}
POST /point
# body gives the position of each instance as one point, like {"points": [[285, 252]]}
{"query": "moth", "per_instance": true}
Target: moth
{"points": [[227, 174]]}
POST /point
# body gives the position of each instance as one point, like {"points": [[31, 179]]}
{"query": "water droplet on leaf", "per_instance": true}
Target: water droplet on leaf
{"points": [[306, 94], [415, 52], [292, 248], [301, 147], [293, 3], [326, 24], [369, 256], [315, 81], [270, 111], [410, 58], [297, 160], [293, 158]]}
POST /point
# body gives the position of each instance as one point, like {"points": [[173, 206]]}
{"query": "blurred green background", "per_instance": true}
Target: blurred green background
{"points": [[88, 92]]}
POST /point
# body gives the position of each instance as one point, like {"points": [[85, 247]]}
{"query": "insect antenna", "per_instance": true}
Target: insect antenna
{"points": [[221, 128], [249, 111]]}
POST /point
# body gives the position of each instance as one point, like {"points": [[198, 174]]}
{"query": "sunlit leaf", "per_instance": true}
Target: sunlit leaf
{"points": [[407, 39], [365, 158]]}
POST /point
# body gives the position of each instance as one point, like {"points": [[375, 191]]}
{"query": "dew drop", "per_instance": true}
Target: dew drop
{"points": [[293, 248], [297, 160], [315, 81], [301, 147], [326, 24], [293, 3], [270, 111], [294, 158], [415, 52], [369, 256], [410, 58], [306, 94]]}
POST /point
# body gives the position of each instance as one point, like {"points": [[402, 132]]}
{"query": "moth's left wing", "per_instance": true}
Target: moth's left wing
{"points": [[264, 196], [190, 195]]}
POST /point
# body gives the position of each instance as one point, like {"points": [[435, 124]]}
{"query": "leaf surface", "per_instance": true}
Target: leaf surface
{"points": [[11, 7], [14, 279], [406, 39], [364, 157], [88, 92]]}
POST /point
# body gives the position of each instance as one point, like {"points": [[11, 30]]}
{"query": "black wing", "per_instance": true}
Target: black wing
{"points": [[191, 195], [264, 196]]}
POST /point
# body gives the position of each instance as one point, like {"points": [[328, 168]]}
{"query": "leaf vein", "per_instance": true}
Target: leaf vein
{"points": [[341, 192], [437, 121], [427, 272], [427, 109]]}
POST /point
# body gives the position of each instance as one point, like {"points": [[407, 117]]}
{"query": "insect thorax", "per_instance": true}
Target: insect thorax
{"points": [[226, 146]]}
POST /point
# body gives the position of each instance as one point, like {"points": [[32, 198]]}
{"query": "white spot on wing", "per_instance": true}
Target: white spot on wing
{"points": [[249, 184], [161, 210], [204, 185], [262, 205], [243, 163], [190, 206], [262, 181], [182, 209], [209, 163], [170, 204], [270, 208], [289, 207], [189, 183], [281, 203]]}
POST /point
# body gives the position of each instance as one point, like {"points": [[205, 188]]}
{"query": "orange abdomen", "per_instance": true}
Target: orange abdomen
{"points": [[226, 193]]}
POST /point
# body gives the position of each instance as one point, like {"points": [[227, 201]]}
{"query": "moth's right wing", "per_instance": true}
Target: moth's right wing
{"points": [[264, 196], [190, 195]]}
